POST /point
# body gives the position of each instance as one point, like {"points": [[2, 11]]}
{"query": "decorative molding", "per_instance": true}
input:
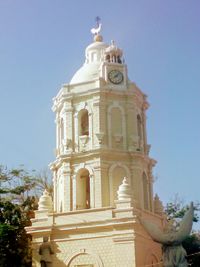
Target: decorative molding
{"points": [[82, 251], [100, 137], [83, 140]]}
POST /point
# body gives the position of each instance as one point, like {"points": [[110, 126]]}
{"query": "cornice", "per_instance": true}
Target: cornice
{"points": [[103, 154]]}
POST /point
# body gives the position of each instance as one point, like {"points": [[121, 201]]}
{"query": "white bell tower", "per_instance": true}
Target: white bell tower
{"points": [[102, 173], [101, 134]]}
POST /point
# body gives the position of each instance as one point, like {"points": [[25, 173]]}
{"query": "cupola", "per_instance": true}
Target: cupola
{"points": [[113, 53]]}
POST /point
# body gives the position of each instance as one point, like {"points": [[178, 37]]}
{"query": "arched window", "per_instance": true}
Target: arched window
{"points": [[145, 191], [139, 129], [83, 190], [83, 122]]}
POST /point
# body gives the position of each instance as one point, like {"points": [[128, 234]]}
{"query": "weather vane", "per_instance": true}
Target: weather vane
{"points": [[97, 19], [96, 31]]}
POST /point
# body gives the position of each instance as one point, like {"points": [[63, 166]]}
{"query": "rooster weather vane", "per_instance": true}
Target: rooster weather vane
{"points": [[97, 30]]}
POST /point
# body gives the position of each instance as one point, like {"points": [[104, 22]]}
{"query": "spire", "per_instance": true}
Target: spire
{"points": [[96, 31]]}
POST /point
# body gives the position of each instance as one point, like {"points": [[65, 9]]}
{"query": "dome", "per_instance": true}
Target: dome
{"points": [[87, 72], [94, 56]]}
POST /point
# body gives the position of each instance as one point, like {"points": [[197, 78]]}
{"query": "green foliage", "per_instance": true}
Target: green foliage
{"points": [[16, 184], [176, 210], [192, 246], [14, 242], [19, 193]]}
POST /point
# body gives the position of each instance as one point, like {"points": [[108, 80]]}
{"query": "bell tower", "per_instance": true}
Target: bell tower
{"points": [[102, 174], [101, 134]]}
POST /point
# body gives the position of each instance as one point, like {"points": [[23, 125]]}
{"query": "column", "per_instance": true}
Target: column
{"points": [[137, 185], [66, 187], [98, 187], [74, 192], [69, 128], [76, 135], [90, 130], [132, 133], [96, 125], [109, 128], [105, 185], [55, 190], [124, 119], [57, 134], [92, 191]]}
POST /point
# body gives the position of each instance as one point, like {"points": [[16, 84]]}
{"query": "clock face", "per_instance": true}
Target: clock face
{"points": [[115, 76]]}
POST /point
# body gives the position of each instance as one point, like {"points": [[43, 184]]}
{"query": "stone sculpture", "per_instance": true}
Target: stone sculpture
{"points": [[45, 251], [171, 239]]}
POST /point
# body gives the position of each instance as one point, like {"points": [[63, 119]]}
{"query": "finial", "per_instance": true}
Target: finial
{"points": [[124, 190], [96, 31], [45, 202]]}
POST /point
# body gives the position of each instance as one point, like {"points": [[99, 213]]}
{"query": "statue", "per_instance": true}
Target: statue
{"points": [[45, 251], [171, 239]]}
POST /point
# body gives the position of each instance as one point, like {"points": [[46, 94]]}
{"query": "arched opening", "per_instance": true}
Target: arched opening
{"points": [[145, 191], [83, 122], [108, 58], [119, 60], [83, 190], [139, 129]]}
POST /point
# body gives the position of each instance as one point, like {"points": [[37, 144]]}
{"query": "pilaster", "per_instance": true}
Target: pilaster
{"points": [[98, 187], [74, 192]]}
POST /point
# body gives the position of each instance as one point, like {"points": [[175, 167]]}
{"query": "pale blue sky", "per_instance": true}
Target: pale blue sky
{"points": [[42, 44]]}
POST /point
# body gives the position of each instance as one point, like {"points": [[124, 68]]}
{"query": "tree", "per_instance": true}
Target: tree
{"points": [[43, 181], [175, 211], [14, 242], [16, 184], [19, 194]]}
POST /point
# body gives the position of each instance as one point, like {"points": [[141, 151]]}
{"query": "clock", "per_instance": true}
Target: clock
{"points": [[115, 76]]}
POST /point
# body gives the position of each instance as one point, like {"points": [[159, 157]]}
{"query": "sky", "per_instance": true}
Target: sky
{"points": [[42, 44]]}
